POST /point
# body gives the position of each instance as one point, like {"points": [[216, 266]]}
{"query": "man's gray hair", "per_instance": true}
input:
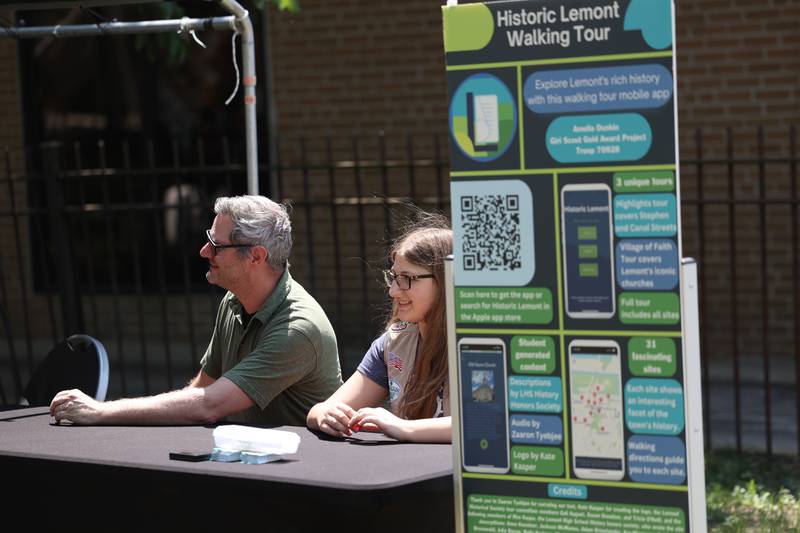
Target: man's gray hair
{"points": [[259, 221]]}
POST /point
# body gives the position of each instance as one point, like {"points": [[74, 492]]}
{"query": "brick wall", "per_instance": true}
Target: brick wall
{"points": [[354, 68], [738, 71], [738, 63], [358, 67]]}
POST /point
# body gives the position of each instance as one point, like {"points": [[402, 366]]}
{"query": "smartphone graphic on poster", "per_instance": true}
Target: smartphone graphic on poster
{"points": [[483, 121], [587, 241], [484, 405], [596, 409]]}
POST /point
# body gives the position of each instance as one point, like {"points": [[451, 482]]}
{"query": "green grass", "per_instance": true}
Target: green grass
{"points": [[752, 493]]}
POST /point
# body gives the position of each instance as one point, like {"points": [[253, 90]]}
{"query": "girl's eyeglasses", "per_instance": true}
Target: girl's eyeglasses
{"points": [[403, 280]]}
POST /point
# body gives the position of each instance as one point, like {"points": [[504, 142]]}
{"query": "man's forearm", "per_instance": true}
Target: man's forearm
{"points": [[184, 406], [191, 405]]}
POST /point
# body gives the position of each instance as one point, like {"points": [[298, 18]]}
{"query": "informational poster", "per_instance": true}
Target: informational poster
{"points": [[570, 373]]}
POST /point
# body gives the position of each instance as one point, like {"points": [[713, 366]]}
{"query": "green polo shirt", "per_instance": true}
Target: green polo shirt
{"points": [[285, 360]]}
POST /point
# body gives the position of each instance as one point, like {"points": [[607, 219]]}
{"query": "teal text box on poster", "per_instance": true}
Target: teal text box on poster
{"points": [[599, 138], [654, 406]]}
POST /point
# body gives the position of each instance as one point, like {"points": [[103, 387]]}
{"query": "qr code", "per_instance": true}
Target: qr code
{"points": [[491, 232]]}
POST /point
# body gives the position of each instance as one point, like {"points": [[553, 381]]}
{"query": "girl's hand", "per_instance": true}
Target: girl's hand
{"points": [[380, 419], [335, 419]]}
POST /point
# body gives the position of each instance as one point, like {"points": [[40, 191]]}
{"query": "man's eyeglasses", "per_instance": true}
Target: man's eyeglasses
{"points": [[216, 247], [403, 280]]}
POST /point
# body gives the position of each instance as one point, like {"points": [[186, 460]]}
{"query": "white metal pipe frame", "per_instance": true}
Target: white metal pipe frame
{"points": [[239, 22]]}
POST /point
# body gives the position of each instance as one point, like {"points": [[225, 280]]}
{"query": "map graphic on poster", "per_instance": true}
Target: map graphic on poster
{"points": [[596, 416], [597, 412], [570, 358]]}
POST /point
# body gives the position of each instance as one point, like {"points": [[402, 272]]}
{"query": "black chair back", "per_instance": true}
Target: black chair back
{"points": [[79, 362]]}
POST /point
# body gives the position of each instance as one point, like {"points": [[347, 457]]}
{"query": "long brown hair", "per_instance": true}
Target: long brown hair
{"points": [[426, 244]]}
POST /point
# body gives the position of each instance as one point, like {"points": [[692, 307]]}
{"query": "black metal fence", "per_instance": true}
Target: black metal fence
{"points": [[740, 219], [103, 237]]}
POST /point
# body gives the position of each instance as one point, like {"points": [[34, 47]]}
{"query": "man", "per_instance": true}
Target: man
{"points": [[273, 351]]}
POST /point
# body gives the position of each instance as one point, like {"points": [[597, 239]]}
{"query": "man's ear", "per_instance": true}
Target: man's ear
{"points": [[258, 255]]}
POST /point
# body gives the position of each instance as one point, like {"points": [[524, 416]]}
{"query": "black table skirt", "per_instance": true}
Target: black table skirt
{"points": [[77, 475]]}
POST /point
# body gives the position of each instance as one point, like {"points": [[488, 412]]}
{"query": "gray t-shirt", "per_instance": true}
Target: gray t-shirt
{"points": [[373, 365], [285, 359]]}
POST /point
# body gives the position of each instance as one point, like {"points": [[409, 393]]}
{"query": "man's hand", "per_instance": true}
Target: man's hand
{"points": [[75, 406]]}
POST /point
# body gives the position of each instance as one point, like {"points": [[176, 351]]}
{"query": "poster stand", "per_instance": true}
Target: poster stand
{"points": [[573, 327]]}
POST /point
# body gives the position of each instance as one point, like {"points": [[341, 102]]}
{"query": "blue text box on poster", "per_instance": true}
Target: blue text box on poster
{"points": [[536, 429], [647, 264], [536, 394], [659, 460], [598, 89], [645, 215]]}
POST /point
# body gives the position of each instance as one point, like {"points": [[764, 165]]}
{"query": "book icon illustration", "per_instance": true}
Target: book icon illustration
{"points": [[483, 123], [483, 118]]}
